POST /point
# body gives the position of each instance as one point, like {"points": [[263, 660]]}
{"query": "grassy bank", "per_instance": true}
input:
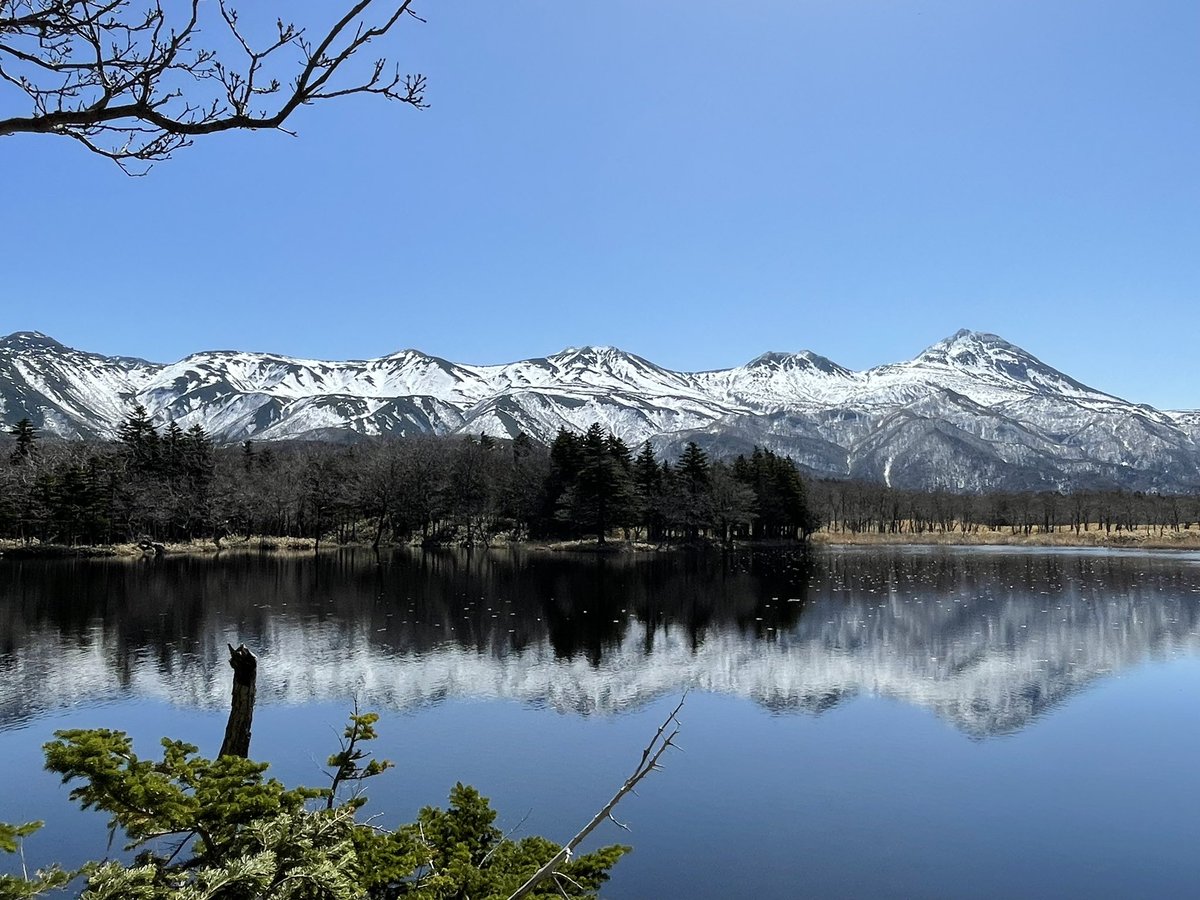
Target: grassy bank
{"points": [[17, 550], [1140, 539]]}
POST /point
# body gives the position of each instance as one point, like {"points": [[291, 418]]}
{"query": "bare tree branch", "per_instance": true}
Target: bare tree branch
{"points": [[135, 86], [658, 745]]}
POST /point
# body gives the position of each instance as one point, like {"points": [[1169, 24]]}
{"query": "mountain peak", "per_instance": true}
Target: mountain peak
{"points": [[30, 340], [804, 360], [988, 356], [603, 356], [589, 351], [770, 358], [973, 349], [965, 341], [407, 354]]}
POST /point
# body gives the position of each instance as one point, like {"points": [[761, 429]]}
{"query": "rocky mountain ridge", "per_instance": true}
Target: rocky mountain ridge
{"points": [[971, 412]]}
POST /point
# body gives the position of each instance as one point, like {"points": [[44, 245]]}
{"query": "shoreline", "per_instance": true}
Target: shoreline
{"points": [[10, 549], [1066, 539]]}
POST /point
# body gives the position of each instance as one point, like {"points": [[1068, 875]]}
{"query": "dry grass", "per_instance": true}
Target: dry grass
{"points": [[590, 545], [1139, 539], [257, 544], [18, 549]]}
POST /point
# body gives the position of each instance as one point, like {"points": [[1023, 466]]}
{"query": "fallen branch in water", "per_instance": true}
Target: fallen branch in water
{"points": [[658, 745]]}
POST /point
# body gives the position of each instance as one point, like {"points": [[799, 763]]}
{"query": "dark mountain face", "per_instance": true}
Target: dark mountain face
{"points": [[971, 412], [802, 361]]}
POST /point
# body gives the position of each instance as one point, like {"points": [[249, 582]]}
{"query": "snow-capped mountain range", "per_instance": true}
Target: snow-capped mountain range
{"points": [[971, 412]]}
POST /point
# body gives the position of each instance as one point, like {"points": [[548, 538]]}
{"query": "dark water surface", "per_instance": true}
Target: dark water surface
{"points": [[864, 723]]}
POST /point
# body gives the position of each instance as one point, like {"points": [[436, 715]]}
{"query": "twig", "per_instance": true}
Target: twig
{"points": [[507, 835], [134, 85], [648, 763]]}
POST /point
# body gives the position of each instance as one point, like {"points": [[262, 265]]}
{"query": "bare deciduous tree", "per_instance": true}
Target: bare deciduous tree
{"points": [[135, 83]]}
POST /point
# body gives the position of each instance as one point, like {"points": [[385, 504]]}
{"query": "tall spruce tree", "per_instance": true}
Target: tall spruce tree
{"points": [[25, 436], [601, 496], [522, 446], [648, 483], [692, 468], [566, 454], [692, 482], [732, 503], [565, 460], [171, 450], [781, 506], [197, 456], [140, 440]]}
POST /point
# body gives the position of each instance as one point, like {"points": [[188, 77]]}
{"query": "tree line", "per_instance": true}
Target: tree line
{"points": [[856, 507], [170, 484]]}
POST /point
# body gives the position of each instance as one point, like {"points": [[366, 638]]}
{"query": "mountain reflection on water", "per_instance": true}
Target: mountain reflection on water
{"points": [[987, 639]]}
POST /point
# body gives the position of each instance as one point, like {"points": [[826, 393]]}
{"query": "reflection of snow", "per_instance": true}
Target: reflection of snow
{"points": [[988, 666]]}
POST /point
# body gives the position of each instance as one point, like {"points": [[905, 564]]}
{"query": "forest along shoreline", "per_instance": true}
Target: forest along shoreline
{"points": [[162, 490]]}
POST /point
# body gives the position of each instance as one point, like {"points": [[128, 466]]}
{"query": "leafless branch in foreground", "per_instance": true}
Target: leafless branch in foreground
{"points": [[135, 84], [663, 739]]}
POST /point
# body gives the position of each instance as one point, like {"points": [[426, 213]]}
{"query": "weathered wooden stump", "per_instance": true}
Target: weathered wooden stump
{"points": [[241, 705]]}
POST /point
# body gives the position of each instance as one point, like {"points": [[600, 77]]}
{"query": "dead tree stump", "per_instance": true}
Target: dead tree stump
{"points": [[241, 705]]}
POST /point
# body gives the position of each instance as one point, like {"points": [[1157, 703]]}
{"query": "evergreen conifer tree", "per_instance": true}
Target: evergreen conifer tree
{"points": [[620, 451], [693, 468], [566, 454], [171, 455], [25, 435], [648, 482], [240, 834], [139, 439], [781, 504], [692, 483], [197, 455], [522, 446], [601, 496]]}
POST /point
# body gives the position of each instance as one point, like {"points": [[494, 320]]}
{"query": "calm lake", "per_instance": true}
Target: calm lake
{"points": [[858, 723]]}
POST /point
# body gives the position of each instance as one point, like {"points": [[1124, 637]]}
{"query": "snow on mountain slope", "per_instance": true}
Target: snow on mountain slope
{"points": [[596, 369], [779, 380], [1186, 420], [580, 385], [404, 374], [972, 411], [911, 451], [632, 416], [66, 391], [982, 367], [367, 416]]}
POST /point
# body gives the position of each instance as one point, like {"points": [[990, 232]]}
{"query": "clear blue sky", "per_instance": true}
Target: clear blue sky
{"points": [[696, 182]]}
